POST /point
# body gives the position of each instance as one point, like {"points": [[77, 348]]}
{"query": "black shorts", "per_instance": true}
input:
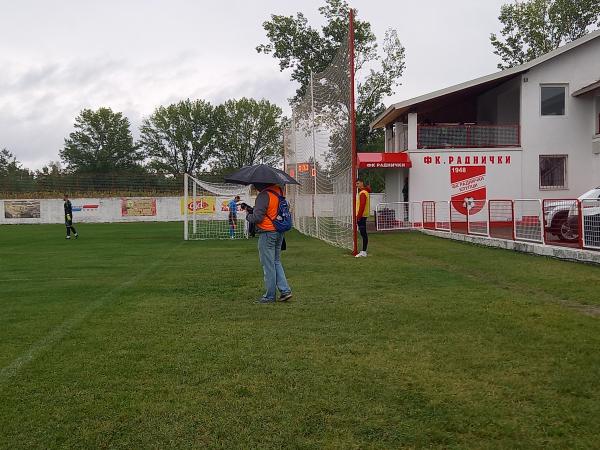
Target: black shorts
{"points": [[232, 220]]}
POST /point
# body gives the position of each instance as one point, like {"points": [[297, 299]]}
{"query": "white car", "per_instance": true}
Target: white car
{"points": [[590, 209], [562, 218]]}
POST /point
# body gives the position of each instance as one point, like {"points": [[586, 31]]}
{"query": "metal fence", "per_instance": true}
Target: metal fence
{"points": [[94, 185], [477, 217], [442, 215], [468, 136], [416, 210], [560, 222], [500, 219], [393, 216], [528, 220], [428, 215], [590, 209], [459, 221]]}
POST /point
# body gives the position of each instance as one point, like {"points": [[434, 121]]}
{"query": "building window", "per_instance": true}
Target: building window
{"points": [[553, 100], [553, 172]]}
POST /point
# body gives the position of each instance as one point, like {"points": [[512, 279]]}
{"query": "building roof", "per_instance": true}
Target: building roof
{"points": [[587, 89], [479, 84]]}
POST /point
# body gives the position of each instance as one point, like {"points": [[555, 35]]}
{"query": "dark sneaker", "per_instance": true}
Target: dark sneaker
{"points": [[265, 300], [285, 297]]}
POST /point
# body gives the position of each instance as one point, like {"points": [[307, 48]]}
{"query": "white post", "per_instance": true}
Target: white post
{"points": [[398, 133], [389, 133], [295, 150], [194, 219], [312, 105], [185, 209], [412, 131]]}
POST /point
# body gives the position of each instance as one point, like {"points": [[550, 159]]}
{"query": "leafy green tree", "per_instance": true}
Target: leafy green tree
{"points": [[534, 27], [179, 138], [9, 164], [14, 178], [248, 132], [53, 168], [101, 143], [303, 49]]}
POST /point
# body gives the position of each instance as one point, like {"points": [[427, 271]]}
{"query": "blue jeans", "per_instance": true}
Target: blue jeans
{"points": [[269, 252]]}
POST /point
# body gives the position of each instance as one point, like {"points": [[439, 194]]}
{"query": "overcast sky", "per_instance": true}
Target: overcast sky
{"points": [[58, 57]]}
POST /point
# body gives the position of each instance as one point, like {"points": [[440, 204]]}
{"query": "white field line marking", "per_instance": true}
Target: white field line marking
{"points": [[39, 279], [64, 328]]}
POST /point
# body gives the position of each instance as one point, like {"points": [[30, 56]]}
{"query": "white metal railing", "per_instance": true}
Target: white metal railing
{"points": [[398, 216], [590, 209], [528, 220], [442, 215], [478, 217], [416, 211], [558, 222]]}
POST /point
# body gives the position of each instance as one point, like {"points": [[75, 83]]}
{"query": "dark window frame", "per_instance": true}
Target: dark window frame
{"points": [[555, 186], [554, 86]]}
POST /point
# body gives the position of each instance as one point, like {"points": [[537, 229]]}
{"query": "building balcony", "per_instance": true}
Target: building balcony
{"points": [[441, 136]]}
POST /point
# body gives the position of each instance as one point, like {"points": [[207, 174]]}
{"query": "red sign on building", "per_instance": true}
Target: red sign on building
{"points": [[468, 187], [383, 160]]}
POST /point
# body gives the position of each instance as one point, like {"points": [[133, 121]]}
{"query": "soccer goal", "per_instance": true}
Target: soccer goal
{"points": [[206, 211]]}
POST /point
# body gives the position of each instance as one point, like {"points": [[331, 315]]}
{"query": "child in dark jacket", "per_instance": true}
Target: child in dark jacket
{"points": [[251, 226]]}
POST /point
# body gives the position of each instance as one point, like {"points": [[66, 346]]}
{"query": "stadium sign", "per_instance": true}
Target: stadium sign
{"points": [[383, 160]]}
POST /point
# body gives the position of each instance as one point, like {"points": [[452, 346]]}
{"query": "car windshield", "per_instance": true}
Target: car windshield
{"points": [[592, 193]]}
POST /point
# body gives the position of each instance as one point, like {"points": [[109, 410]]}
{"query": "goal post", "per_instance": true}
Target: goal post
{"points": [[206, 211]]}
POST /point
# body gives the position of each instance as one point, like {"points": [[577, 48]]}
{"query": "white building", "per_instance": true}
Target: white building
{"points": [[532, 131]]}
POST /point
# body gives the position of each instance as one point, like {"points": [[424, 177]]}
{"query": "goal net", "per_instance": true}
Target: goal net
{"points": [[318, 152], [206, 210]]}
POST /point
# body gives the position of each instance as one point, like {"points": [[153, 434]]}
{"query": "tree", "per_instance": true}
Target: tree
{"points": [[101, 143], [534, 27], [248, 133], [179, 138], [9, 164], [304, 49], [14, 178], [53, 168]]}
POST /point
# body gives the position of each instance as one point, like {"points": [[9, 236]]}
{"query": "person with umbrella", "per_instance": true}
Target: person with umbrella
{"points": [[268, 182]]}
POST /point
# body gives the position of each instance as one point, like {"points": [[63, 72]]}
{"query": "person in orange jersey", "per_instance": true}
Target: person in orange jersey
{"points": [[362, 213]]}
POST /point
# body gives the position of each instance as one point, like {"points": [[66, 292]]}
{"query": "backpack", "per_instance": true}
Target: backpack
{"points": [[283, 221]]}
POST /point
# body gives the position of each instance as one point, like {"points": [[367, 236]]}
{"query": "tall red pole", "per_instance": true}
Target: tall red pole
{"points": [[353, 133]]}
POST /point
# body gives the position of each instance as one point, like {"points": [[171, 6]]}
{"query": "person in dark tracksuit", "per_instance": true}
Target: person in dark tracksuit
{"points": [[69, 217], [405, 199]]}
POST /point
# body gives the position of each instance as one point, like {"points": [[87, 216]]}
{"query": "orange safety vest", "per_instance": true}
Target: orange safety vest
{"points": [[267, 224], [367, 203]]}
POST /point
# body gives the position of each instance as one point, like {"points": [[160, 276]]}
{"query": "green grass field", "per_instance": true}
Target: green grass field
{"points": [[131, 338]]}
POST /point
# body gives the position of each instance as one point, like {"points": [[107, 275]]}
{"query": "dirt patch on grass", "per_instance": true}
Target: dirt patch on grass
{"points": [[588, 310]]}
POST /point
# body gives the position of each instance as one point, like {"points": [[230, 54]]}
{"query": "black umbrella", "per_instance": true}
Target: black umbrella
{"points": [[261, 174]]}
